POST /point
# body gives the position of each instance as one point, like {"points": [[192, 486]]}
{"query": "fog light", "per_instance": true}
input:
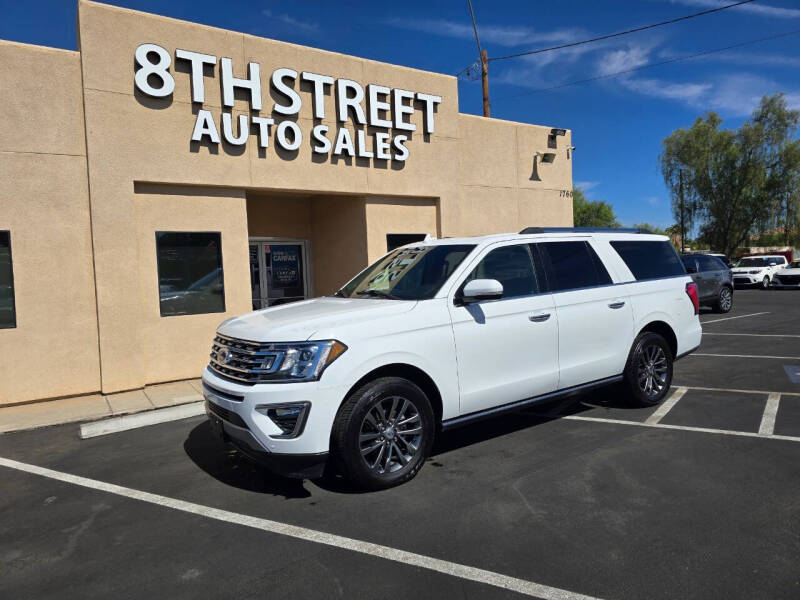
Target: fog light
{"points": [[290, 418]]}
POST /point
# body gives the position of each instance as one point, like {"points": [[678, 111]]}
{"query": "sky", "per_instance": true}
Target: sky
{"points": [[618, 122]]}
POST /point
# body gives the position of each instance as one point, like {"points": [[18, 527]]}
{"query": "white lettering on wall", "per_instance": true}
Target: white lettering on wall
{"points": [[159, 70]]}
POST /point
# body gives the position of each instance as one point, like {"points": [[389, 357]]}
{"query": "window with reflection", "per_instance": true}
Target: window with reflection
{"points": [[8, 313], [190, 278]]}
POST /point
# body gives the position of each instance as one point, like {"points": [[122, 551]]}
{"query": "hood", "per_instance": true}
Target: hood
{"points": [[299, 321], [746, 269], [789, 271]]}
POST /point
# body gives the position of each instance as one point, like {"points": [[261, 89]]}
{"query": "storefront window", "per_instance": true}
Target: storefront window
{"points": [[8, 314], [190, 280]]}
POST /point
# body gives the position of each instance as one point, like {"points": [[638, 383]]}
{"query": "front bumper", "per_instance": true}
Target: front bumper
{"points": [[257, 435], [742, 279]]}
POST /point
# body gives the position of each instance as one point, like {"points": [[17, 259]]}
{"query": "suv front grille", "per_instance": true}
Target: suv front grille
{"points": [[789, 279], [244, 361]]}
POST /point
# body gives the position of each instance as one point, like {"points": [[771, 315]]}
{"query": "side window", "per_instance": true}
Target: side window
{"points": [[709, 263], [650, 259], [511, 266], [8, 314], [190, 278], [573, 265], [690, 263]]}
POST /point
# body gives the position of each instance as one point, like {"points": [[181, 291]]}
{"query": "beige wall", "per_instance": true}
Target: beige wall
{"points": [[103, 189], [44, 203]]}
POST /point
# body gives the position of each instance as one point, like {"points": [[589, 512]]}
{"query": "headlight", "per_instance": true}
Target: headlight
{"points": [[302, 361]]}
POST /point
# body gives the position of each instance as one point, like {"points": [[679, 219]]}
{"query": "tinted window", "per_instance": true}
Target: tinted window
{"points": [[395, 240], [8, 315], [414, 273], [709, 263], [573, 265], [190, 278], [649, 260], [690, 262], [512, 267]]}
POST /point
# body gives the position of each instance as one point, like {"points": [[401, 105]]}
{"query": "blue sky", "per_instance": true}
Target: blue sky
{"points": [[618, 123]]}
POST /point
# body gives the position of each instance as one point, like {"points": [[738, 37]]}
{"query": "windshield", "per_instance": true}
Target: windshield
{"points": [[414, 273], [794, 265], [753, 262]]}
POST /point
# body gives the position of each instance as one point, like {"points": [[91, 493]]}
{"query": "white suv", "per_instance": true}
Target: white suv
{"points": [[757, 270], [441, 333]]}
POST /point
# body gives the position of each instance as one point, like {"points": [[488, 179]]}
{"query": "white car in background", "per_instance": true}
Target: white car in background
{"points": [[788, 277], [757, 270]]}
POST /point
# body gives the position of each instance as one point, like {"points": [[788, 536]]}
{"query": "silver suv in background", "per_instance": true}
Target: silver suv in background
{"points": [[713, 278]]}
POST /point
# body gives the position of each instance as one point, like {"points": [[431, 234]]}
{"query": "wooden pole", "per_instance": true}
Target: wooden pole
{"points": [[485, 80], [683, 226]]}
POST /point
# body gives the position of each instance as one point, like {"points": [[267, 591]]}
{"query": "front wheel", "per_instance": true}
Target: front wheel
{"points": [[765, 282], [383, 433], [648, 373], [725, 300]]}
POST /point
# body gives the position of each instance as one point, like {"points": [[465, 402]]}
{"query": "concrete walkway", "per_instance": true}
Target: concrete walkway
{"points": [[98, 406]]}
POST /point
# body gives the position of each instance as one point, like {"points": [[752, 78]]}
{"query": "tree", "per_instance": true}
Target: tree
{"points": [[591, 213], [651, 228], [733, 180]]}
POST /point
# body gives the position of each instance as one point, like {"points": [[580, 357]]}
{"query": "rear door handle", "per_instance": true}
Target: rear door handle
{"points": [[619, 304], [539, 318]]}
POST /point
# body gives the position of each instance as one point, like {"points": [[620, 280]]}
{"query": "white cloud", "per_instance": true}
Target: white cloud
{"points": [[739, 94], [501, 35], [585, 185], [623, 59], [302, 26], [659, 88], [740, 58], [756, 8]]}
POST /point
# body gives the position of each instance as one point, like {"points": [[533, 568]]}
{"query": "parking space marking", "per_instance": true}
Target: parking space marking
{"points": [[745, 356], [767, 335], [522, 586], [153, 417], [711, 389], [730, 318], [788, 438], [666, 406], [767, 426]]}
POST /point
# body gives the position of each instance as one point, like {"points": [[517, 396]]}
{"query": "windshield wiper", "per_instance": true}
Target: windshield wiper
{"points": [[377, 294], [340, 294]]}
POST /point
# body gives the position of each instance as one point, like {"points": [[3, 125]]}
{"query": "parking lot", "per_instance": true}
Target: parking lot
{"points": [[697, 498]]}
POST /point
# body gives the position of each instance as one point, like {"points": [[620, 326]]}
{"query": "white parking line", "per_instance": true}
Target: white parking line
{"points": [[736, 391], [522, 586], [666, 406], [153, 417], [767, 426], [730, 318], [745, 356], [767, 335], [683, 428]]}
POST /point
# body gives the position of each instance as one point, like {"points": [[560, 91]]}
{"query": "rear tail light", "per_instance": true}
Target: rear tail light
{"points": [[691, 291]]}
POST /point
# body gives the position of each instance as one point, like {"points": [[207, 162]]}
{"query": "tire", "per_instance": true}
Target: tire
{"points": [[765, 283], [370, 448], [724, 301], [647, 386]]}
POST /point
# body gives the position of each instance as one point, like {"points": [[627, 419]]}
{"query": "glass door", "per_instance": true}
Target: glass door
{"points": [[278, 272]]}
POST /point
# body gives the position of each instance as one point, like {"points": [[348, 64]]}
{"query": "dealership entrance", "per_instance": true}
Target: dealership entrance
{"points": [[279, 271]]}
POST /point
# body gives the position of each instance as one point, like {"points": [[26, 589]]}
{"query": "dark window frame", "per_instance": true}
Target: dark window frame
{"points": [[597, 263], [221, 267], [13, 324]]}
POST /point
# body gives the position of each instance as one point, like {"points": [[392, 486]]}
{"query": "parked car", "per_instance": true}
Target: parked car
{"points": [[723, 257], [757, 270], [713, 278], [788, 277], [445, 332]]}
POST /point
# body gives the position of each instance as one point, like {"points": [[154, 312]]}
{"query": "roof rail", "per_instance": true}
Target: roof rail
{"points": [[584, 230]]}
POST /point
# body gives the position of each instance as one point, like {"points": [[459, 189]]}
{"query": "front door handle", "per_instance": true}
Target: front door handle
{"points": [[619, 304], [539, 318]]}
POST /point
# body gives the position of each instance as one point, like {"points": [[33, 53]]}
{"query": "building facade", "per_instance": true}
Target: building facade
{"points": [[169, 175]]}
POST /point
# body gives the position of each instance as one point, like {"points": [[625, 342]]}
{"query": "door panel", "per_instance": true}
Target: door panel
{"points": [[507, 349]]}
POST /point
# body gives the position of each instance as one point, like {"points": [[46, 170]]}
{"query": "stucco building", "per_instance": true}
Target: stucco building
{"points": [[169, 175]]}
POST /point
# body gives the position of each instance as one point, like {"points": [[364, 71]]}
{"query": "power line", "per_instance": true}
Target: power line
{"points": [[626, 32], [655, 64]]}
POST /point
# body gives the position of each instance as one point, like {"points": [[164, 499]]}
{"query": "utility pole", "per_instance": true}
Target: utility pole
{"points": [[683, 225], [484, 64]]}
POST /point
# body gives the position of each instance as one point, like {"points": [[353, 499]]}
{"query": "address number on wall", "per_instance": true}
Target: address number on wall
{"points": [[565, 194]]}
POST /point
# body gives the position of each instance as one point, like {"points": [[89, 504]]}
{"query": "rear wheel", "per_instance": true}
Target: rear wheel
{"points": [[383, 433], [648, 374], [724, 300]]}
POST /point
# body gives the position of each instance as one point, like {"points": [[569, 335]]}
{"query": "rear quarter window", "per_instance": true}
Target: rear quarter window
{"points": [[649, 259]]}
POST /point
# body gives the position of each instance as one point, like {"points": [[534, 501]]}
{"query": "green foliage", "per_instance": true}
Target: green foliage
{"points": [[734, 181], [651, 228], [591, 213]]}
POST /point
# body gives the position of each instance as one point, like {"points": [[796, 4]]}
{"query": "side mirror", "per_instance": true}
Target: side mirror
{"points": [[482, 289]]}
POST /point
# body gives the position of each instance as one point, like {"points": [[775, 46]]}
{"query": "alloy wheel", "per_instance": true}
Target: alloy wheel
{"points": [[390, 435], [652, 370], [725, 299]]}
